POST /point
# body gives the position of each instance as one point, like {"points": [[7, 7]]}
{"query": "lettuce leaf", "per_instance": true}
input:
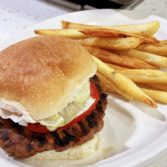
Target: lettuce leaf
{"points": [[70, 111]]}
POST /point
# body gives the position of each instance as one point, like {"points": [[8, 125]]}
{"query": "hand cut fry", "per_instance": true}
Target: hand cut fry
{"points": [[157, 95], [71, 33], [159, 49], [104, 33], [146, 29], [120, 60], [162, 87], [153, 59], [163, 42], [111, 33], [146, 76], [112, 43], [109, 87], [123, 83], [116, 67]]}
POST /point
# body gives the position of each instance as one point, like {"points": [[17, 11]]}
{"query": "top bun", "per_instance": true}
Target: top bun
{"points": [[42, 73]]}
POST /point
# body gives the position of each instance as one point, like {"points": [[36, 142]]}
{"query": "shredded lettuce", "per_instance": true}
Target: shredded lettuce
{"points": [[70, 111], [84, 93], [53, 122]]}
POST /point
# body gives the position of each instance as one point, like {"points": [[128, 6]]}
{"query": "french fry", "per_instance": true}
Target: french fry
{"points": [[111, 33], [104, 33], [159, 49], [70, 33], [162, 87], [157, 95], [120, 60], [123, 83], [145, 29], [163, 42], [112, 43], [153, 59], [146, 76], [109, 87], [116, 67]]}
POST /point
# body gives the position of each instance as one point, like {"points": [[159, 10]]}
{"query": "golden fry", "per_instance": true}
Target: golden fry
{"points": [[163, 42], [159, 49], [120, 60], [153, 59], [162, 87], [101, 32], [112, 43], [70, 33], [109, 87], [111, 33], [157, 95], [116, 67], [145, 29], [123, 83], [146, 76]]}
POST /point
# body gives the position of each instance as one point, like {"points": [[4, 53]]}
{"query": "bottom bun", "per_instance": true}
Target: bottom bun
{"points": [[77, 152]]}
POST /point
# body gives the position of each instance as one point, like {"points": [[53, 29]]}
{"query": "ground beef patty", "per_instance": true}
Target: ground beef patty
{"points": [[19, 142]]}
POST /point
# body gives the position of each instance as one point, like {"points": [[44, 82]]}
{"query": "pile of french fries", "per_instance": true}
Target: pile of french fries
{"points": [[129, 58]]}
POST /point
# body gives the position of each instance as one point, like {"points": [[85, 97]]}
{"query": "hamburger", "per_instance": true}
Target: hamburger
{"points": [[51, 101]]}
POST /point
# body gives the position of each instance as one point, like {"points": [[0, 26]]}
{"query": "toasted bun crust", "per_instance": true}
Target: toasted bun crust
{"points": [[43, 72]]}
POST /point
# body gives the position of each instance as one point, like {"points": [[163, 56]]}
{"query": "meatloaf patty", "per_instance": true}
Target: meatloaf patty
{"points": [[20, 142]]}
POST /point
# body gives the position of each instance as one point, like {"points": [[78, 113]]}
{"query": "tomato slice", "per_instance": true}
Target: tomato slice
{"points": [[95, 95], [43, 129], [36, 127]]}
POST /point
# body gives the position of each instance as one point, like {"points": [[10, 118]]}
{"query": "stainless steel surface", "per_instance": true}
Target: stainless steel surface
{"points": [[67, 4], [88, 4], [88, 7], [133, 5], [124, 1]]}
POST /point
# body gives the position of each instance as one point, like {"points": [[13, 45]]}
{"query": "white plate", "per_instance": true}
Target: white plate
{"points": [[133, 135]]}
